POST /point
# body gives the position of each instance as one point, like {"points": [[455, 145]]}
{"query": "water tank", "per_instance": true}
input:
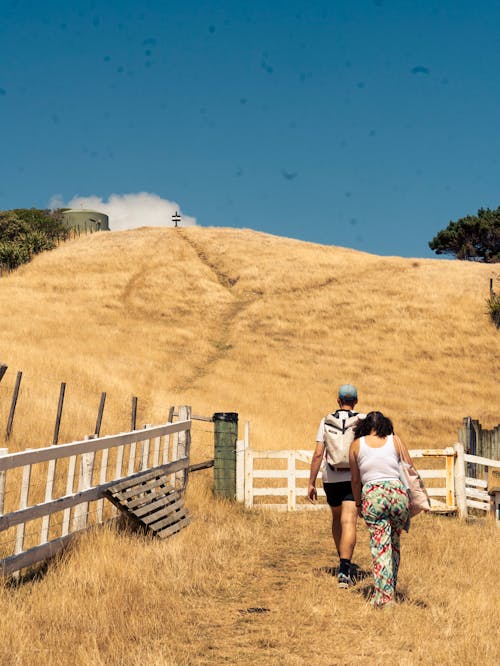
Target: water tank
{"points": [[86, 220]]}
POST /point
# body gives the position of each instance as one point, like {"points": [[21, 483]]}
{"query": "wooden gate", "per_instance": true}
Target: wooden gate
{"points": [[279, 479]]}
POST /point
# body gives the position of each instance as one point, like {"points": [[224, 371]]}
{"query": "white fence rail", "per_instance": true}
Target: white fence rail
{"points": [[477, 496], [37, 486]]}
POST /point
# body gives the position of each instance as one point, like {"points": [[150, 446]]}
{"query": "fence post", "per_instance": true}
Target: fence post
{"points": [[241, 457], [23, 503], [166, 439], [60, 405], [225, 438], [184, 444], [248, 477], [49, 487], [145, 446], [70, 479], [80, 520], [450, 478], [240, 470], [133, 417], [100, 412], [460, 496], [3, 476], [15, 395], [292, 503]]}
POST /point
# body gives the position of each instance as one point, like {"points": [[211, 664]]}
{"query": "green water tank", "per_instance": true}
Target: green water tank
{"points": [[86, 220]]}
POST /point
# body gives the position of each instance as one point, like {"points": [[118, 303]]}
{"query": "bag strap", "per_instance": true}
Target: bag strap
{"points": [[399, 448]]}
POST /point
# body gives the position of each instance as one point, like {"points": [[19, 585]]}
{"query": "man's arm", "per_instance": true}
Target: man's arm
{"points": [[316, 461]]}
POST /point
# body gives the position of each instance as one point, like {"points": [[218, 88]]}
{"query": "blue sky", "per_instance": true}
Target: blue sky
{"points": [[365, 124]]}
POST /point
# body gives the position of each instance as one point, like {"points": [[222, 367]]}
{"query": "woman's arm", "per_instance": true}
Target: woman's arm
{"points": [[355, 475]]}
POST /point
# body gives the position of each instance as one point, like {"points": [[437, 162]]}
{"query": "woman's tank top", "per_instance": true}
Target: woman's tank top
{"points": [[378, 464]]}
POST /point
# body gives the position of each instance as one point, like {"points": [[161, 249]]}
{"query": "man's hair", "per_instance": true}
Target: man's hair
{"points": [[374, 422], [348, 401]]}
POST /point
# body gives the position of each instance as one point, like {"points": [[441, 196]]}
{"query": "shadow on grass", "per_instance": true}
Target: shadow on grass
{"points": [[367, 592], [33, 575], [359, 574]]}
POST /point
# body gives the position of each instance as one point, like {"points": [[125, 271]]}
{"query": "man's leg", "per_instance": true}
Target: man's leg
{"points": [[347, 541], [336, 526]]}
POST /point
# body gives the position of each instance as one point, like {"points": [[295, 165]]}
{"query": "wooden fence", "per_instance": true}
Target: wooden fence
{"points": [[478, 441], [282, 477], [476, 487], [37, 486]]}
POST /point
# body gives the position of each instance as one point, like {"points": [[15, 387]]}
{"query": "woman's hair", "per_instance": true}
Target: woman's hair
{"points": [[374, 422]]}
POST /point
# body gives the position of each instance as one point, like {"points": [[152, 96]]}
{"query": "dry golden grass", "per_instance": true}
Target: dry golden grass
{"points": [[231, 320], [122, 599]]}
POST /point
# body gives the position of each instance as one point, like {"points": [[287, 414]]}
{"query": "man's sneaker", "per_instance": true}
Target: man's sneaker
{"points": [[353, 573], [345, 581]]}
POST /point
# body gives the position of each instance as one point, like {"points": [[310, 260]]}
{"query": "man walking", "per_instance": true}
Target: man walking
{"points": [[335, 434]]}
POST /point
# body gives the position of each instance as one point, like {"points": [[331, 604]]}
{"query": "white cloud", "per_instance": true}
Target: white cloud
{"points": [[128, 211]]}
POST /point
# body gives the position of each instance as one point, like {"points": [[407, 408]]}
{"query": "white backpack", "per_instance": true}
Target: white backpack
{"points": [[339, 434]]}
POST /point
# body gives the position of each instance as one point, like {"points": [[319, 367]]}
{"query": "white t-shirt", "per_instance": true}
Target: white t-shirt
{"points": [[330, 475]]}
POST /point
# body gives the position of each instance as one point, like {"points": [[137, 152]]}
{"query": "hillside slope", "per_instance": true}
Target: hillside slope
{"points": [[227, 319], [237, 320]]}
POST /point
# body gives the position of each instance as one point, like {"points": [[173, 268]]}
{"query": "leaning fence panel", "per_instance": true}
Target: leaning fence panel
{"points": [[33, 501]]}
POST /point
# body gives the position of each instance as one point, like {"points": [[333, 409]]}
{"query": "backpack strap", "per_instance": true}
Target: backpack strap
{"points": [[336, 416]]}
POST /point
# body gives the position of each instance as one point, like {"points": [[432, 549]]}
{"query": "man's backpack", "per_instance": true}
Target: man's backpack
{"points": [[339, 434]]}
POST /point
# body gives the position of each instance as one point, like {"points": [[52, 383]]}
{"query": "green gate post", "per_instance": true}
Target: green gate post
{"points": [[225, 438]]}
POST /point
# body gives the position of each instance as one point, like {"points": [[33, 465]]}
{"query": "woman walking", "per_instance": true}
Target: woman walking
{"points": [[381, 498]]}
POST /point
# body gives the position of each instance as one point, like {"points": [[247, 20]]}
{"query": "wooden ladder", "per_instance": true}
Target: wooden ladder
{"points": [[150, 501]]}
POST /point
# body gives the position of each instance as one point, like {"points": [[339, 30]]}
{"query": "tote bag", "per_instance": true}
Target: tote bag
{"points": [[410, 478]]}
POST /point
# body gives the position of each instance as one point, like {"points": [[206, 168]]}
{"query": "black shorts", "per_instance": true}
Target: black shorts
{"points": [[336, 493]]}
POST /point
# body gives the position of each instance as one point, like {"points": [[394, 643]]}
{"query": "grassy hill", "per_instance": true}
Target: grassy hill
{"points": [[234, 320], [227, 319]]}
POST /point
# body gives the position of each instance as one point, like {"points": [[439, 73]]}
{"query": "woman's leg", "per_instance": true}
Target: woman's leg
{"points": [[395, 541], [376, 512], [399, 518]]}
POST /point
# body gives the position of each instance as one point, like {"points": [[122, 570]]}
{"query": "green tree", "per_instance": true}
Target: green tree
{"points": [[25, 232], [475, 237]]}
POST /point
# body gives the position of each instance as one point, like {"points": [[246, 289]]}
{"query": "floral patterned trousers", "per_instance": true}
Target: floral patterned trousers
{"points": [[386, 513]]}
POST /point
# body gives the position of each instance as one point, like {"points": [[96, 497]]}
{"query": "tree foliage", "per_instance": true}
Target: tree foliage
{"points": [[475, 237], [25, 232]]}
